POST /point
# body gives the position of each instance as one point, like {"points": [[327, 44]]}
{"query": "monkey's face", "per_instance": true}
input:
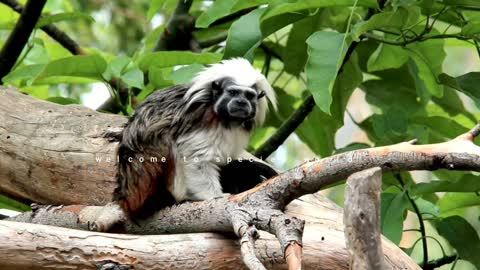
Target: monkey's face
{"points": [[234, 102]]}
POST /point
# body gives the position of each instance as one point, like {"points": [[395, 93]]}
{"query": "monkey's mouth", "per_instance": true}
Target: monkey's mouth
{"points": [[240, 112]]}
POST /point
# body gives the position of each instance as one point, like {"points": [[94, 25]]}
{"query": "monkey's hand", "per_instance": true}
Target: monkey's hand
{"points": [[101, 218]]}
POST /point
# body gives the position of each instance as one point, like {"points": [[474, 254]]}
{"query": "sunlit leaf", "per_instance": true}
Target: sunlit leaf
{"points": [[133, 78], [222, 8], [174, 58], [185, 74], [46, 20], [246, 34], [88, 66], [326, 51], [387, 57], [279, 7], [63, 100], [468, 183], [467, 83]]}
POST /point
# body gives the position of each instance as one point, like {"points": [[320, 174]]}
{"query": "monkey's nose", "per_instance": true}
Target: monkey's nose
{"points": [[240, 102]]}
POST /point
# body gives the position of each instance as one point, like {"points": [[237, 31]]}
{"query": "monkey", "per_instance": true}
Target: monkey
{"points": [[195, 132]]}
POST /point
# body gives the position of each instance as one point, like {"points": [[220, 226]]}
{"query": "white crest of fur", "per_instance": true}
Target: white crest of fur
{"points": [[243, 73]]}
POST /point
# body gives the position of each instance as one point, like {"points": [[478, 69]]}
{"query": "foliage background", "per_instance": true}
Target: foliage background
{"points": [[379, 73]]}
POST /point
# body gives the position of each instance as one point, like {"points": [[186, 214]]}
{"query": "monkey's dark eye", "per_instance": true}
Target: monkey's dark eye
{"points": [[233, 92], [261, 94], [250, 95], [216, 85]]}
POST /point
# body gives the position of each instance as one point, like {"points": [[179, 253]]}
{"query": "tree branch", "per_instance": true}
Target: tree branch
{"points": [[51, 30], [439, 262], [419, 38], [323, 242], [178, 32], [362, 220], [19, 36]]}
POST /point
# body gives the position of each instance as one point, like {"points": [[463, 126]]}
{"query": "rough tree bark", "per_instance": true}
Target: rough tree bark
{"points": [[42, 145], [45, 247], [362, 220]]}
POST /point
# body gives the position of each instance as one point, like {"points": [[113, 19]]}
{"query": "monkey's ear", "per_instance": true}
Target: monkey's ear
{"points": [[261, 94]]}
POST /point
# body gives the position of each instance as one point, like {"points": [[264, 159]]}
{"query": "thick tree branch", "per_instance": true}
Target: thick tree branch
{"points": [[51, 30], [458, 154], [323, 243], [362, 220], [18, 38]]}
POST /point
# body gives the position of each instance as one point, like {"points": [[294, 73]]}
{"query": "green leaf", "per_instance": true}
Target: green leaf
{"points": [[222, 8], [7, 203], [428, 59], [38, 91], [394, 206], [296, 48], [260, 136], [467, 84], [462, 236], [387, 57], [326, 51], [174, 58], [402, 18], [463, 3], [453, 201], [471, 29], [46, 20], [452, 104], [185, 74], [387, 94], [320, 140], [427, 208], [347, 81], [280, 7], [468, 183], [87, 66], [63, 100], [28, 73], [444, 127], [157, 77], [352, 147], [116, 67], [133, 78], [246, 34], [155, 6]]}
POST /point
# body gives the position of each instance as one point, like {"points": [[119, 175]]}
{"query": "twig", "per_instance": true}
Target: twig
{"points": [[19, 36], [293, 255], [247, 247], [439, 262], [419, 38], [51, 30]]}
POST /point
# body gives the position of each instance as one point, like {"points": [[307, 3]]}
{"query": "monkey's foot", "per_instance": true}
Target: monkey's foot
{"points": [[101, 218]]}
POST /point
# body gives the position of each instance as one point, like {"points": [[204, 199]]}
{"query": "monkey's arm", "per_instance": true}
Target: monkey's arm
{"points": [[238, 176]]}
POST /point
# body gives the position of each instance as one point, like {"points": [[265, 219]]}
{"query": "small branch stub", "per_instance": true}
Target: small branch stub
{"points": [[362, 220]]}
